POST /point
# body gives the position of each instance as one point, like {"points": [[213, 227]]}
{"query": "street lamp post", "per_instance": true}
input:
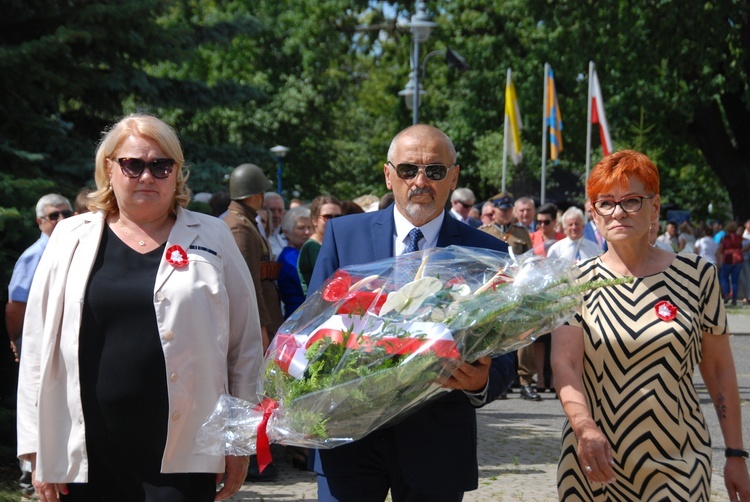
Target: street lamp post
{"points": [[421, 25], [279, 152]]}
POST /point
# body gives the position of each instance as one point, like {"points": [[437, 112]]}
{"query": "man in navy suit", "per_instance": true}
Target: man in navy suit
{"points": [[462, 200], [432, 454], [591, 232]]}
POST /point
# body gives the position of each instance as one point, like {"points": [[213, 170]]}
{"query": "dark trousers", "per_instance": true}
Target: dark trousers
{"points": [[374, 475]]}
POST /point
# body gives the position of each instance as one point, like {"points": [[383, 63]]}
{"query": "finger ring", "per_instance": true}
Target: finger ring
{"points": [[588, 468]]}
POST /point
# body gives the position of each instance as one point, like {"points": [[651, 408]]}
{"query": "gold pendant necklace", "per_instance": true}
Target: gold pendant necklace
{"points": [[125, 230]]}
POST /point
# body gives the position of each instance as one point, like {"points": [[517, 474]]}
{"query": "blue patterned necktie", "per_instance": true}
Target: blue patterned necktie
{"points": [[414, 236]]}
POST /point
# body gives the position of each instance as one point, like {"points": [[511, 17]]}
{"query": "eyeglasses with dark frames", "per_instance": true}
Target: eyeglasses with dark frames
{"points": [[329, 216], [544, 222], [133, 168], [55, 215], [433, 172], [629, 204]]}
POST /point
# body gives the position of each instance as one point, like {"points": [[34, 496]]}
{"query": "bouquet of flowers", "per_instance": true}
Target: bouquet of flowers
{"points": [[375, 341]]}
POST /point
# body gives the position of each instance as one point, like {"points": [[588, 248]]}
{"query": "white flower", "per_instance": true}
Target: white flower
{"points": [[459, 290], [176, 257], [409, 298]]}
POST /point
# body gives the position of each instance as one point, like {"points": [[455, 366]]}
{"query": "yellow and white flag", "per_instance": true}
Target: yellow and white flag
{"points": [[513, 113]]}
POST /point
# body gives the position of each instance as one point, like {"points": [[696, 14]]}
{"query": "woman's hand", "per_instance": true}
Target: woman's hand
{"points": [[236, 471], [594, 450], [48, 492], [736, 479], [595, 456]]}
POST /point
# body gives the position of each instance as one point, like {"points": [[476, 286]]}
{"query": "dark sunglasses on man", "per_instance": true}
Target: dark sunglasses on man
{"points": [[55, 215], [133, 168], [543, 222], [433, 172]]}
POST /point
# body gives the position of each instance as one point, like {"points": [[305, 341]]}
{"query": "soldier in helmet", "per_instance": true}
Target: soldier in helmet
{"points": [[247, 184]]}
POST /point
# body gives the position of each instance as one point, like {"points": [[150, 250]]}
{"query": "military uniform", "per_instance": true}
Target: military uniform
{"points": [[518, 238], [255, 250]]}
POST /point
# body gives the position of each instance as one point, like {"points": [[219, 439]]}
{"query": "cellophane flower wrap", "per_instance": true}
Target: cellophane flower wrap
{"points": [[375, 341]]}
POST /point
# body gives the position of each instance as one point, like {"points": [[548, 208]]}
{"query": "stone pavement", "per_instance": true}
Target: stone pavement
{"points": [[519, 445]]}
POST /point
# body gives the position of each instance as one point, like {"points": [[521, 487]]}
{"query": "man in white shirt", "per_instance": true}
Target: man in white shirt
{"points": [[430, 455], [573, 247], [653, 238], [670, 237]]}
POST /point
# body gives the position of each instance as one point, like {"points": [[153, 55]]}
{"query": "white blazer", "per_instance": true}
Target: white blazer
{"points": [[207, 316]]}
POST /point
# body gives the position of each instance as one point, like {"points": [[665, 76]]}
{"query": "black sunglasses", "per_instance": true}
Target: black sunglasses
{"points": [[55, 215], [434, 172], [329, 216], [133, 168], [544, 222]]}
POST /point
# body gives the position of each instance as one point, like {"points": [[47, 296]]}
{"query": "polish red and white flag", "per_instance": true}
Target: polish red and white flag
{"points": [[598, 116]]}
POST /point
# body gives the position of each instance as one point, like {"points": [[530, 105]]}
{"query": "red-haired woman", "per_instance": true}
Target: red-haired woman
{"points": [[624, 366]]}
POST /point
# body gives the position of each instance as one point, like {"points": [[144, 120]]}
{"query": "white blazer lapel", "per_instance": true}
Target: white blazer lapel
{"points": [[184, 232]]}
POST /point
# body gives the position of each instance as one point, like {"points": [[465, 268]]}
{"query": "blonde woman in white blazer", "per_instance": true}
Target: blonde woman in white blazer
{"points": [[140, 316]]}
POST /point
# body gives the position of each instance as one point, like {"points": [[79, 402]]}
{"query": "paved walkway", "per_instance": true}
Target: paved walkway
{"points": [[519, 445]]}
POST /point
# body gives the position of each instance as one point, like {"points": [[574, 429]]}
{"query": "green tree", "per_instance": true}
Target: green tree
{"points": [[691, 79], [306, 59], [74, 67]]}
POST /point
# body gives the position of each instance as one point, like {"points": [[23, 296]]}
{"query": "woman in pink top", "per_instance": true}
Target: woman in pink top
{"points": [[545, 235]]}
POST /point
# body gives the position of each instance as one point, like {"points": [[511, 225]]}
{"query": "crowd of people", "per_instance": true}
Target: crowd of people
{"points": [[134, 316]]}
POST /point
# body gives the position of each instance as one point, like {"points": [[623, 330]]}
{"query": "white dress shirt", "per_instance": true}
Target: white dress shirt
{"points": [[575, 251], [430, 232]]}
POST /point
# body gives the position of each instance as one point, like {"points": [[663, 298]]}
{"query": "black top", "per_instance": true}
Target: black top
{"points": [[123, 379]]}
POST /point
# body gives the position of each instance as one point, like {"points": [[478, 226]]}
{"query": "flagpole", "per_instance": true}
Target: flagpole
{"points": [[588, 126], [506, 136], [545, 125]]}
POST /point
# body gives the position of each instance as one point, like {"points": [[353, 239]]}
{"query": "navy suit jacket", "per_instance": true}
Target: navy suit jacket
{"points": [[472, 222], [590, 234], [437, 445]]}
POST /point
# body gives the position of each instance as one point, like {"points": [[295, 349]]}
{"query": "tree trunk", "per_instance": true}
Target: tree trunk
{"points": [[727, 155]]}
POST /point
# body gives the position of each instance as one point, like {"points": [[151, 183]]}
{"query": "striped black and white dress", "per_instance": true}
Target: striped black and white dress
{"points": [[642, 344]]}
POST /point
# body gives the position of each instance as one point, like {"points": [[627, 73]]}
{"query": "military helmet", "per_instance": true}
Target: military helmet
{"points": [[247, 180]]}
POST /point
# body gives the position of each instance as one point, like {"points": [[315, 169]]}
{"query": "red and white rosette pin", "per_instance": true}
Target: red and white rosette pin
{"points": [[665, 310], [176, 256]]}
